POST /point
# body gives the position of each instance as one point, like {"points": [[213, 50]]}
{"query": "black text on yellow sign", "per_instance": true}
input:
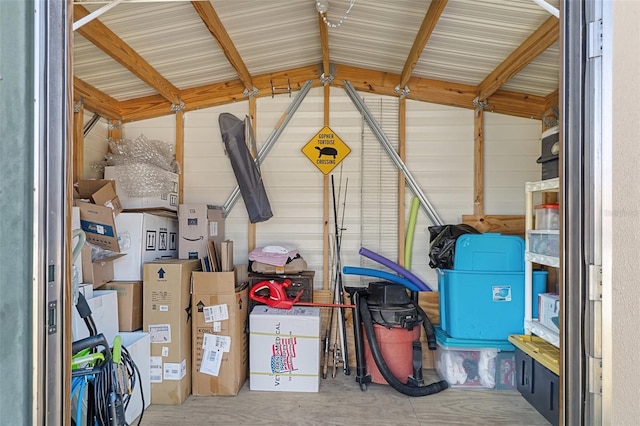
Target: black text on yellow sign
{"points": [[326, 150]]}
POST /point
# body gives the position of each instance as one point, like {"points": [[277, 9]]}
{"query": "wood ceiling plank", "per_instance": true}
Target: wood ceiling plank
{"points": [[424, 33], [96, 101], [214, 25], [107, 41], [533, 46]]}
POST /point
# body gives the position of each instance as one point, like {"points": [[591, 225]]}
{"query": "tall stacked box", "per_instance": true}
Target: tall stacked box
{"points": [[219, 340], [167, 318], [284, 348]]}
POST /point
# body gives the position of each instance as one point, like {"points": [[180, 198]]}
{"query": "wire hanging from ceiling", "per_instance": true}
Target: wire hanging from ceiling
{"points": [[323, 5]]}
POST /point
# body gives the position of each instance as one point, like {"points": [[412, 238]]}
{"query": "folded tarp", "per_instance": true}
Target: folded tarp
{"points": [[235, 135]]}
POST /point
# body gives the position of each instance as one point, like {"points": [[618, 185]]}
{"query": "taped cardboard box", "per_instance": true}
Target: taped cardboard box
{"points": [[144, 237], [166, 316], [199, 223], [219, 341], [129, 304], [98, 204], [97, 265]]}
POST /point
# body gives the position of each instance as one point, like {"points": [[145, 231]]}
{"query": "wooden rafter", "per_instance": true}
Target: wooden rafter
{"points": [[533, 46], [426, 90], [214, 25], [95, 100], [324, 43], [107, 41], [424, 33]]}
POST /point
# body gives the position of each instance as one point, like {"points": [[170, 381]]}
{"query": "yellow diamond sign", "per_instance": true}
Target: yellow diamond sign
{"points": [[326, 150]]}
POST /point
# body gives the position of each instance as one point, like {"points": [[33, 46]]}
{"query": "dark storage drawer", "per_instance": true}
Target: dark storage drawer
{"points": [[538, 385]]}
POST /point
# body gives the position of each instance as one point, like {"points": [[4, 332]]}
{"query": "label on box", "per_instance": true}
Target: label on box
{"points": [[501, 293], [215, 342], [155, 369], [163, 308], [217, 327], [160, 333], [165, 351], [216, 313], [211, 361], [175, 370], [213, 229]]}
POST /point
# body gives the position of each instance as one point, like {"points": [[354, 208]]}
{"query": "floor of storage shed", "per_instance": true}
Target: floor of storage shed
{"points": [[341, 402]]}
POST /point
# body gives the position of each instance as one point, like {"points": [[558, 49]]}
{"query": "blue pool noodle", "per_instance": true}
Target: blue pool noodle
{"points": [[353, 270], [395, 267]]}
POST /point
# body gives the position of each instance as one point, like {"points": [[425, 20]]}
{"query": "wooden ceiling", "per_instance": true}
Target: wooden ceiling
{"points": [[169, 98]]}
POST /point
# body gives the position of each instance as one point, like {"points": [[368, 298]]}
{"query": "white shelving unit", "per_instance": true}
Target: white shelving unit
{"points": [[532, 326]]}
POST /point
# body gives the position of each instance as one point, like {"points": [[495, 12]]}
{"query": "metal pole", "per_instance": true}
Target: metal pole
{"points": [[393, 155], [271, 140]]}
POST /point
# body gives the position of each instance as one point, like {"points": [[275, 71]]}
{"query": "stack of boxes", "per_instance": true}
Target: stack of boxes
{"points": [[186, 329], [481, 304]]}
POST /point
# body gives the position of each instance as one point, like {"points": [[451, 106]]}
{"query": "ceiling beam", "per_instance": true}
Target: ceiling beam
{"points": [[552, 100], [364, 80], [214, 25], [424, 33], [533, 46], [107, 41], [216, 94], [95, 100], [324, 43]]}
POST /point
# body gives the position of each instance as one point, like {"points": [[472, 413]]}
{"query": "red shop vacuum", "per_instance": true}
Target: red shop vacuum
{"points": [[390, 350]]}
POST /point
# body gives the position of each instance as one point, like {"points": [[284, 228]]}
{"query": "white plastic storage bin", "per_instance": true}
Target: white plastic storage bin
{"points": [[547, 216], [546, 243], [475, 364]]}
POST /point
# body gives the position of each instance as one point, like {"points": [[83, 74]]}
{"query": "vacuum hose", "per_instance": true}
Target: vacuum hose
{"points": [[367, 320]]}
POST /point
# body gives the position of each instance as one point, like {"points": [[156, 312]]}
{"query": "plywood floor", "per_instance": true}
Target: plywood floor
{"points": [[341, 402]]}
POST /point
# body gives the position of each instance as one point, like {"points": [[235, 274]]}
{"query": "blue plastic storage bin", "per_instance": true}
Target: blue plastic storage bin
{"points": [[489, 252], [467, 363], [486, 305]]}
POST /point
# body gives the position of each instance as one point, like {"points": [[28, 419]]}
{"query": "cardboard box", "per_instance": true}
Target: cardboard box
{"points": [[549, 310], [129, 304], [220, 344], [97, 270], [199, 223], [100, 192], [98, 224], [284, 348], [138, 346], [166, 315], [86, 290], [144, 237], [98, 204], [167, 201], [104, 305]]}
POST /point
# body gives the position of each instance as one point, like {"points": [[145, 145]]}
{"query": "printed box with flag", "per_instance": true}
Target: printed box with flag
{"points": [[284, 347], [167, 318], [219, 341]]}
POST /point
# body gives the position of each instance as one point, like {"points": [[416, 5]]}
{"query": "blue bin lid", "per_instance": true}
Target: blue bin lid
{"points": [[489, 252], [450, 343]]}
